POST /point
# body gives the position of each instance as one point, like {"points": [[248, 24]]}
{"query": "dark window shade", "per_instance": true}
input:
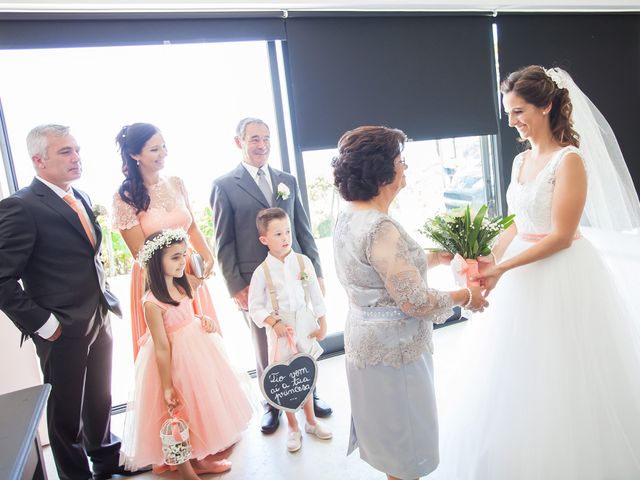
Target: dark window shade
{"points": [[431, 76], [117, 30], [602, 54]]}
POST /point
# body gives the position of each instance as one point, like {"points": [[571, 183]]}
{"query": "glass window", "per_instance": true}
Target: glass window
{"points": [[194, 93], [441, 175]]}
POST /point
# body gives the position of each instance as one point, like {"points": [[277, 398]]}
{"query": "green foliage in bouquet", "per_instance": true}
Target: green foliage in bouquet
{"points": [[456, 232]]}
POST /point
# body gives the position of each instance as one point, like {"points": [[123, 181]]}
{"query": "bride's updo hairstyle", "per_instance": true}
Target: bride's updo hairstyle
{"points": [[534, 86], [130, 141], [365, 161]]}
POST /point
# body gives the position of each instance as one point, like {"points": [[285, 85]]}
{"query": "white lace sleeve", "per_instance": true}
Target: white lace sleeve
{"points": [[124, 215], [389, 255]]}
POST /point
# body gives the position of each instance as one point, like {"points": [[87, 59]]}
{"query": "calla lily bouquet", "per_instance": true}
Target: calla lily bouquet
{"points": [[466, 233]]}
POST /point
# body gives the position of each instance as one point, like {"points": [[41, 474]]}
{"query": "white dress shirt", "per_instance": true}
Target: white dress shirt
{"points": [[51, 325], [253, 171], [289, 289]]}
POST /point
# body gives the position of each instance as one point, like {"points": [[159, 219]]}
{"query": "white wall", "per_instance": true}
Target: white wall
{"points": [[19, 367]]}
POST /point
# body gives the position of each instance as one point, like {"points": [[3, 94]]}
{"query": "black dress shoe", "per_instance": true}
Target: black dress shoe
{"points": [[118, 471], [270, 420], [320, 407]]}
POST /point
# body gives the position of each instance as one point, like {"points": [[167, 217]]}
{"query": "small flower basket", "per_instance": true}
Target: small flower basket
{"points": [[176, 447]]}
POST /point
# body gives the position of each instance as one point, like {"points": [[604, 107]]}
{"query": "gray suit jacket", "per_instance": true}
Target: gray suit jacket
{"points": [[236, 201]]}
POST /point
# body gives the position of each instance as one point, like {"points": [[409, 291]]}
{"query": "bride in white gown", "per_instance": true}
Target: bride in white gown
{"points": [[548, 384]]}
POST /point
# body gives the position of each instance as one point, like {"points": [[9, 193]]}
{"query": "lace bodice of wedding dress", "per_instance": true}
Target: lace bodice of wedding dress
{"points": [[531, 201]]}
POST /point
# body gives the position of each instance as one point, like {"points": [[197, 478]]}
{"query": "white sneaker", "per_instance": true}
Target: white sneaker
{"points": [[320, 430], [294, 441]]}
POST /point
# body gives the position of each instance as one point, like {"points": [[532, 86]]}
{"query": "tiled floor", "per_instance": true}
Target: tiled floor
{"points": [[262, 457]]}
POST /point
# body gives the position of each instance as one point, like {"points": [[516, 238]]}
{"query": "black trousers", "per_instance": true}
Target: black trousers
{"points": [[79, 407]]}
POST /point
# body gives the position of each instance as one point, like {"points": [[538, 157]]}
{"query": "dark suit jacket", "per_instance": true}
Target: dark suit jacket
{"points": [[236, 201], [42, 243]]}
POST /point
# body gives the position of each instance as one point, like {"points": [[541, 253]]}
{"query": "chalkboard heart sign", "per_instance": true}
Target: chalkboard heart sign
{"points": [[287, 385]]}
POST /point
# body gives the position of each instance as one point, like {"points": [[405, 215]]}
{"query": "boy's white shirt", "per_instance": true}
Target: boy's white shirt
{"points": [[289, 289]]}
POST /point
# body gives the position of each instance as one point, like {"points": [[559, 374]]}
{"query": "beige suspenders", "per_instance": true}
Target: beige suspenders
{"points": [[272, 289]]}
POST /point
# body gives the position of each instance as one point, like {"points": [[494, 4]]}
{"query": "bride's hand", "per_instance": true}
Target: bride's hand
{"points": [[485, 262], [488, 278]]}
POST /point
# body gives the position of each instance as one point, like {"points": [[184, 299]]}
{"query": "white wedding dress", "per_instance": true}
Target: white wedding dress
{"points": [[548, 381]]}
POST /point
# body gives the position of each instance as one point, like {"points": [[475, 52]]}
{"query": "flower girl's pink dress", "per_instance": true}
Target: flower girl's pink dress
{"points": [[213, 402]]}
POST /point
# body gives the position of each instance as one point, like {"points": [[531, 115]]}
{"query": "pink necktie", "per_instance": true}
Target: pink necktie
{"points": [[73, 203]]}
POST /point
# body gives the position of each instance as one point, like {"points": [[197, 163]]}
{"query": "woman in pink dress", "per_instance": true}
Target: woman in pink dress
{"points": [[146, 203]]}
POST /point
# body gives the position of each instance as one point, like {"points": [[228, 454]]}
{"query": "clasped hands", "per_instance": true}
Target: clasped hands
{"points": [[480, 285], [281, 330], [477, 302]]}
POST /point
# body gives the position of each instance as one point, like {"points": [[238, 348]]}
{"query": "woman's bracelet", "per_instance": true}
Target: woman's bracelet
{"points": [[470, 298], [274, 323]]}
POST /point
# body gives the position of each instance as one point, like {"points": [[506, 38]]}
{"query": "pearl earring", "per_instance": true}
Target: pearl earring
{"points": [[138, 163]]}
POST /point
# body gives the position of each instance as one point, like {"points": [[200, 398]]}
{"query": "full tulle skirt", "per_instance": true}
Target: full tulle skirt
{"points": [[547, 380], [213, 402]]}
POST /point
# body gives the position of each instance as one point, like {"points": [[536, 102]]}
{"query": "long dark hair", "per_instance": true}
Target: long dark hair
{"points": [[534, 86], [154, 275], [130, 140]]}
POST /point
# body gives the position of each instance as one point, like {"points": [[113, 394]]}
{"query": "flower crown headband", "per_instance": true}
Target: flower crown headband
{"points": [[166, 238]]}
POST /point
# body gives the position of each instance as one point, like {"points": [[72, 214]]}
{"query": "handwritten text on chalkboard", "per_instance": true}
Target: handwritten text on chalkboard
{"points": [[287, 385]]}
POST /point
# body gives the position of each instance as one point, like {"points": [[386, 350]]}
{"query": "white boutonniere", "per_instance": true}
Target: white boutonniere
{"points": [[98, 210], [283, 192]]}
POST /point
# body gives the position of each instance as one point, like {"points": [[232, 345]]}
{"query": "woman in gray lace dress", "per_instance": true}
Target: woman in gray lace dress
{"points": [[388, 333]]}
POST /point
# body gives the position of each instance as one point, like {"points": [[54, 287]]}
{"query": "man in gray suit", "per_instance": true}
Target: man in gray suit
{"points": [[236, 199]]}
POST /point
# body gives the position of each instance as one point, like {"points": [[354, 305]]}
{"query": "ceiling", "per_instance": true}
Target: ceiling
{"points": [[28, 6]]}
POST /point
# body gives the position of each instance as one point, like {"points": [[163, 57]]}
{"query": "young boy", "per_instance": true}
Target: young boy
{"points": [[287, 312]]}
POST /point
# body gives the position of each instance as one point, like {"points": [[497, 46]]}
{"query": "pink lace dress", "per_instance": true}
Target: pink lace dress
{"points": [[169, 208], [213, 402]]}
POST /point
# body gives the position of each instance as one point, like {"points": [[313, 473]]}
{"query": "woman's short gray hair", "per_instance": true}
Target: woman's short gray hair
{"points": [[37, 142]]}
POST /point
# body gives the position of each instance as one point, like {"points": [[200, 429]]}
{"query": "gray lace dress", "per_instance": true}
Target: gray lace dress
{"points": [[388, 343]]}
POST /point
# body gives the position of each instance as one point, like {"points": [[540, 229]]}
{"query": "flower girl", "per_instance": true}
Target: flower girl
{"points": [[181, 371]]}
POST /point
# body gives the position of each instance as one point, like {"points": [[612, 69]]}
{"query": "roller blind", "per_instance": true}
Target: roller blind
{"points": [[431, 76], [84, 30], [602, 54]]}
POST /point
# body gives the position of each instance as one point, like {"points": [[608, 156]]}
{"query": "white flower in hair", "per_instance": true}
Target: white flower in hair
{"points": [[166, 238], [283, 191], [558, 78]]}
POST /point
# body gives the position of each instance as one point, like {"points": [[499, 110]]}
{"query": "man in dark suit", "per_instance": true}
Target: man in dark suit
{"points": [[50, 240], [236, 199]]}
